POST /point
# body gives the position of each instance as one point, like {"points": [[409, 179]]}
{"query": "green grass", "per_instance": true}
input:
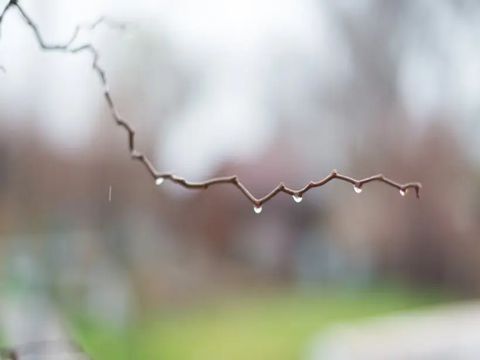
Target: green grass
{"points": [[275, 326]]}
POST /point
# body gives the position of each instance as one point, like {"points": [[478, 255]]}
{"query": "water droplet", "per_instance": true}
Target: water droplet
{"points": [[403, 192], [297, 198], [357, 189], [159, 181], [257, 209]]}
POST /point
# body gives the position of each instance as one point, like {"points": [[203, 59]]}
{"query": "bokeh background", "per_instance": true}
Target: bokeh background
{"points": [[271, 90]]}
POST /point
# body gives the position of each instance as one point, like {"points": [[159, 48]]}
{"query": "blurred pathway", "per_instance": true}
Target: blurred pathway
{"points": [[32, 326], [446, 332]]}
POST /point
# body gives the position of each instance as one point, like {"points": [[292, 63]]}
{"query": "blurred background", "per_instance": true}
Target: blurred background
{"points": [[271, 90]]}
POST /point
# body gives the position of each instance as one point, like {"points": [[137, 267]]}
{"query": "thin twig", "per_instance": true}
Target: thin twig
{"points": [[138, 156]]}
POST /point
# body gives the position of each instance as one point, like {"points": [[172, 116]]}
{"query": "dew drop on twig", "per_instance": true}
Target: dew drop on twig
{"points": [[257, 209], [297, 198], [357, 189], [403, 192], [159, 181]]}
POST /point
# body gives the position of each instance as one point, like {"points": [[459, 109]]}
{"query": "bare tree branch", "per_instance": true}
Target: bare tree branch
{"points": [[138, 156]]}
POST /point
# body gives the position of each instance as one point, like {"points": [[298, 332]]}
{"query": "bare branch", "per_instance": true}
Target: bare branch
{"points": [[8, 354], [93, 25], [140, 157]]}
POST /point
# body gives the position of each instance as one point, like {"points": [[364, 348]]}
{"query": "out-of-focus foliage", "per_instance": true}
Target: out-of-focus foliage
{"points": [[270, 326]]}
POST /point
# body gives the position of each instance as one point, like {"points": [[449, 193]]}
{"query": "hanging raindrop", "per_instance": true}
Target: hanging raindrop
{"points": [[357, 189], [403, 192], [297, 198], [257, 209], [159, 181]]}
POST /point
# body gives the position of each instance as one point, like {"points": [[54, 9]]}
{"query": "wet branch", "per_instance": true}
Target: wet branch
{"points": [[136, 155]]}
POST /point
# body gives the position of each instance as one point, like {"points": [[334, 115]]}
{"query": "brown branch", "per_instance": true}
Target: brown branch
{"points": [[140, 157]]}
